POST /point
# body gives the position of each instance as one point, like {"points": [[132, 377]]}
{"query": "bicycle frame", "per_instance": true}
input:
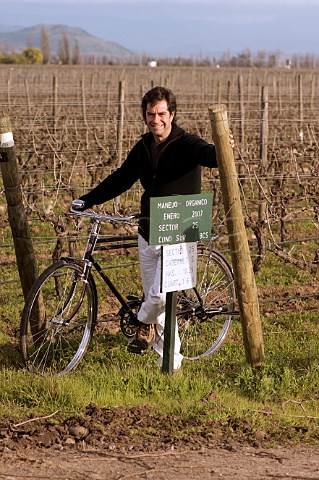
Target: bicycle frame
{"points": [[89, 261]]}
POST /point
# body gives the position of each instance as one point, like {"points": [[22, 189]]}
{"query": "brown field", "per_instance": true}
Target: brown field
{"points": [[71, 125]]}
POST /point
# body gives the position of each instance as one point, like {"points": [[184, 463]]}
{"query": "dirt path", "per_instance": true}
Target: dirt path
{"points": [[238, 463], [138, 443]]}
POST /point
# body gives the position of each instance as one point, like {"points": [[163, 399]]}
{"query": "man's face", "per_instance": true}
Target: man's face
{"points": [[159, 120]]}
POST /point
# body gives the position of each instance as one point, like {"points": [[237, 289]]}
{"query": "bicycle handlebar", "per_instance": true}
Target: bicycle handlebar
{"points": [[76, 205]]}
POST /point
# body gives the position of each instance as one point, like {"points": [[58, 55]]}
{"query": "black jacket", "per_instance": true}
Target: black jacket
{"points": [[178, 171]]}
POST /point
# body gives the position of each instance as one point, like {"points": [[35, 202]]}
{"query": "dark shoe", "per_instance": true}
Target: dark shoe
{"points": [[145, 336]]}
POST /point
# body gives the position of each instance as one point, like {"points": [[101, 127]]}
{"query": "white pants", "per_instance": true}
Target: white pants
{"points": [[153, 308]]}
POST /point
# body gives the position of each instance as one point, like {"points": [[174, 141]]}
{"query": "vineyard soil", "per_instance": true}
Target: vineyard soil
{"points": [[137, 443]]}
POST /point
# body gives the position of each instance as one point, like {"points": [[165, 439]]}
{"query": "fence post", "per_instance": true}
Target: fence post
{"points": [[241, 109], [55, 103], [263, 153], [243, 269], [300, 102], [241, 139], [120, 131], [120, 122], [17, 216]]}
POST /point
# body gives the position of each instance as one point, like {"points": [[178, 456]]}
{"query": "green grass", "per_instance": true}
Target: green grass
{"points": [[280, 398]]}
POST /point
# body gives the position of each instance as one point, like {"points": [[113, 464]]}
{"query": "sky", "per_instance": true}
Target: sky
{"points": [[181, 27]]}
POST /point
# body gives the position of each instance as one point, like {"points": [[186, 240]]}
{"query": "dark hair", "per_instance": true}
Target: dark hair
{"points": [[157, 94]]}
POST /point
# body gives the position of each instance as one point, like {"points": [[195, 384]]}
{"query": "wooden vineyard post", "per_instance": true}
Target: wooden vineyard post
{"points": [[261, 223], [120, 131], [120, 122], [82, 84], [241, 109], [300, 102], [263, 153], [55, 103], [17, 217], [243, 269], [242, 119]]}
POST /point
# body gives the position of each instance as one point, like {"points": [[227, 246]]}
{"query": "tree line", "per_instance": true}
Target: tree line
{"points": [[68, 53]]}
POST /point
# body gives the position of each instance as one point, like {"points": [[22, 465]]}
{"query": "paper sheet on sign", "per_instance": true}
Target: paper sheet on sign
{"points": [[179, 266]]}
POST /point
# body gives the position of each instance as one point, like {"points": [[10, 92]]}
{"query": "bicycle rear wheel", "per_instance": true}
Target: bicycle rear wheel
{"points": [[58, 319], [204, 313]]}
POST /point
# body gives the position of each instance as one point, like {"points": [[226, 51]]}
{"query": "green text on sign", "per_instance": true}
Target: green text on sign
{"points": [[180, 218]]}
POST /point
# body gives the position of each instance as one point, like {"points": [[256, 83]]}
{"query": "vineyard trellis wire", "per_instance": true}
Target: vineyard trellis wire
{"points": [[65, 123]]}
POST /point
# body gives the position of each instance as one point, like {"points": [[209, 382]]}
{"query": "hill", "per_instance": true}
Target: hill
{"points": [[88, 44]]}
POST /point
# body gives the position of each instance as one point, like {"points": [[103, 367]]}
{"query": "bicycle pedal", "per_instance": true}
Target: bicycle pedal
{"points": [[133, 348], [132, 297]]}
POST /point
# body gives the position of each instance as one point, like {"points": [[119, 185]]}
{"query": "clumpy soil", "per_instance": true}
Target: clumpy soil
{"points": [[121, 443]]}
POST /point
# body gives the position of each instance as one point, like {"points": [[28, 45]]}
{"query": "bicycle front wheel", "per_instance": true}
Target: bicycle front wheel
{"points": [[204, 313], [58, 319]]}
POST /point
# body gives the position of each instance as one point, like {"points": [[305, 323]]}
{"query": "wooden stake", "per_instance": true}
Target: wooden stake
{"points": [[120, 132], [241, 260], [17, 217], [263, 153]]}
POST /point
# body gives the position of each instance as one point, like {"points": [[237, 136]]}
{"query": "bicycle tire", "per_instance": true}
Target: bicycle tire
{"points": [[209, 305], [58, 319]]}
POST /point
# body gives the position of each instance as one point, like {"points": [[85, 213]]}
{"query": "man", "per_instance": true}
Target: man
{"points": [[167, 160]]}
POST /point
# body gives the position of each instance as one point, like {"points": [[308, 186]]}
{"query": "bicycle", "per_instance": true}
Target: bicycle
{"points": [[60, 312]]}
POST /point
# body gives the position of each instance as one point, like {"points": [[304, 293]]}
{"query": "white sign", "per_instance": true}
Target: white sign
{"points": [[6, 140], [179, 266]]}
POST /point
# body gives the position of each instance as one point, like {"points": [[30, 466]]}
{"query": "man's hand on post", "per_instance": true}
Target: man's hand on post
{"points": [[231, 139]]}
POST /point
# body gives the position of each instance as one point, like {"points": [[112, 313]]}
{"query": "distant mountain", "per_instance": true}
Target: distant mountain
{"points": [[19, 40], [9, 28]]}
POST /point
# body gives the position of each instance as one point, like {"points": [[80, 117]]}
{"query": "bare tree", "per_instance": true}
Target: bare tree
{"points": [[64, 50], [76, 57], [45, 45]]}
